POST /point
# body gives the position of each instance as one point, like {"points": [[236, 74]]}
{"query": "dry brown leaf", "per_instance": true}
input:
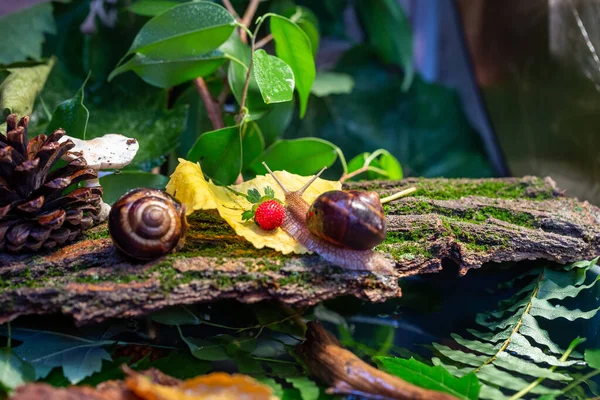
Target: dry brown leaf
{"points": [[188, 185], [214, 386]]}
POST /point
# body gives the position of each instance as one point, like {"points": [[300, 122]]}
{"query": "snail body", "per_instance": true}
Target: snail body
{"points": [[146, 223], [296, 225]]}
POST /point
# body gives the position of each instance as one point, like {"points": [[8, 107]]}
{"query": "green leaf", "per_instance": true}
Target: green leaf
{"points": [[13, 371], [299, 156], [151, 8], [434, 378], [386, 164], [167, 72], [20, 88], [247, 215], [269, 192], [543, 308], [308, 389], [294, 47], [390, 33], [116, 185], [23, 33], [253, 144], [274, 77], [45, 350], [182, 365], [220, 154], [71, 115], [253, 196], [308, 22], [185, 30], [328, 83], [592, 357], [274, 123]]}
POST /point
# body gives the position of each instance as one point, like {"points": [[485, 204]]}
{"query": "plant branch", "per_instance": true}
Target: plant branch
{"points": [[247, 18], [222, 97], [212, 107], [262, 42], [230, 8]]}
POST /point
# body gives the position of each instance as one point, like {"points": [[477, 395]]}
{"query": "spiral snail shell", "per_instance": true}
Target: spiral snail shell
{"points": [[146, 223]]}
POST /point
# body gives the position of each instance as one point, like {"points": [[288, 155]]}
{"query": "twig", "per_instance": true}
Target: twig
{"points": [[230, 8], [262, 42], [247, 19], [222, 97], [212, 108], [349, 375]]}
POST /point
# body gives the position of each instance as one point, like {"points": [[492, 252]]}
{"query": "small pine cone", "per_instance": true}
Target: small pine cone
{"points": [[35, 210]]}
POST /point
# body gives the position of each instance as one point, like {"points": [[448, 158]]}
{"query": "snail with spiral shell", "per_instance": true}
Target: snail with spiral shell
{"points": [[147, 223]]}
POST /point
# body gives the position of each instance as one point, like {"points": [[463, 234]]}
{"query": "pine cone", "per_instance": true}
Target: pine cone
{"points": [[34, 212]]}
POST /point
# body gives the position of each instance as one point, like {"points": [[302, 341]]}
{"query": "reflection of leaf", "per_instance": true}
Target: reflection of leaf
{"points": [[23, 33], [45, 350], [188, 29], [189, 186], [434, 378], [13, 370], [274, 77], [217, 385]]}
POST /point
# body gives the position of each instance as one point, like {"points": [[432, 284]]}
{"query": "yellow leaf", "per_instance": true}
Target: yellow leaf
{"points": [[231, 206], [187, 184], [214, 386]]}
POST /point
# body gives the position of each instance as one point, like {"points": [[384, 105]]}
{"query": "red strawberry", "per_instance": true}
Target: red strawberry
{"points": [[269, 215]]}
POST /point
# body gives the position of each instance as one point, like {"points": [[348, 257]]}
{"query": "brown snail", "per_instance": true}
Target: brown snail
{"points": [[146, 223], [340, 226]]}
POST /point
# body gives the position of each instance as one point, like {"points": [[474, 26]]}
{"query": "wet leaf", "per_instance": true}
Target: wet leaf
{"points": [[185, 30], [217, 386], [189, 186], [167, 72], [294, 47], [274, 77], [23, 33]]}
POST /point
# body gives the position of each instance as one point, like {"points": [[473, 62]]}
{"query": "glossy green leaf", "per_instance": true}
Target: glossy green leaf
{"points": [[274, 123], [151, 8], [308, 22], [165, 73], [299, 156], [434, 378], [389, 32], [253, 144], [71, 115], [220, 154], [294, 47], [23, 33], [327, 83], [274, 77], [117, 184], [20, 88], [183, 31], [386, 166], [45, 350], [13, 371]]}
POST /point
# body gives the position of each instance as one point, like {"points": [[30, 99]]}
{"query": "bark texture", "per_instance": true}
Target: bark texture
{"points": [[468, 221]]}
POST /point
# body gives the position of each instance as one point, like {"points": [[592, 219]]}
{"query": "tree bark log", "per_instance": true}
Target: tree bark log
{"points": [[470, 222]]}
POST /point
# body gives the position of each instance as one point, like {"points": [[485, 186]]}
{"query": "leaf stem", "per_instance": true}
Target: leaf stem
{"points": [[212, 107]]}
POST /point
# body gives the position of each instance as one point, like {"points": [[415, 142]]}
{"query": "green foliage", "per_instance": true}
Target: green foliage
{"points": [[71, 115], [328, 83], [151, 8], [13, 370], [23, 33], [308, 22], [511, 347], [45, 350], [187, 29], [389, 33], [220, 154], [381, 165], [20, 88], [434, 378], [115, 185], [301, 156], [274, 78], [294, 47]]}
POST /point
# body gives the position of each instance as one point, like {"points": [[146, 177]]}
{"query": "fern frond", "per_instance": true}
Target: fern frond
{"points": [[509, 351]]}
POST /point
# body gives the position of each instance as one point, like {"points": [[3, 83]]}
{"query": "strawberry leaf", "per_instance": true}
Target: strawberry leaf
{"points": [[269, 192], [248, 214], [253, 196]]}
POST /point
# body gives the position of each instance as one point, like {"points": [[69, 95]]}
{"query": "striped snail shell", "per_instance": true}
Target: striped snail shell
{"points": [[146, 223]]}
